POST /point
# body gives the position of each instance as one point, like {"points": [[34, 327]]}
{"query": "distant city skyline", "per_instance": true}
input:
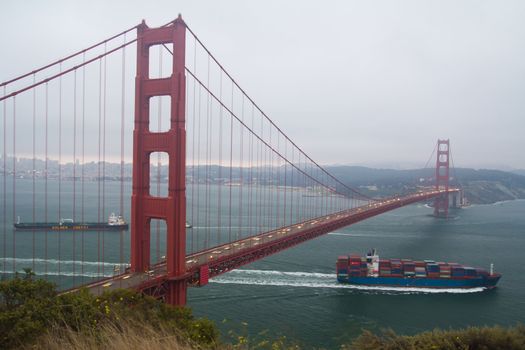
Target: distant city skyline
{"points": [[376, 165]]}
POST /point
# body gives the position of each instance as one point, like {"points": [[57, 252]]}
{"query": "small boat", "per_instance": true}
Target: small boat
{"points": [[372, 271], [188, 225], [114, 223]]}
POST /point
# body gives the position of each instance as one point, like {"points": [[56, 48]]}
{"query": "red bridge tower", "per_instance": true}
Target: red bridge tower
{"points": [[144, 206], [442, 178]]}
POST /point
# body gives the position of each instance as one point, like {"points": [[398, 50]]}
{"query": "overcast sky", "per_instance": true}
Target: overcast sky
{"points": [[352, 82]]}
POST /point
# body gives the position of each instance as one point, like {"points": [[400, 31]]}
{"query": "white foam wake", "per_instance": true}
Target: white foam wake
{"points": [[63, 274], [40, 261], [371, 235], [318, 280], [68, 268]]}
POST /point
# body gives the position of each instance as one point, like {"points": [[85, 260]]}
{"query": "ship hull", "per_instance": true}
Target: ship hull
{"points": [[88, 226], [416, 282]]}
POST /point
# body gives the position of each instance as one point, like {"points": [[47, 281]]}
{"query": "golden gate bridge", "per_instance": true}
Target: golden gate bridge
{"points": [[203, 152]]}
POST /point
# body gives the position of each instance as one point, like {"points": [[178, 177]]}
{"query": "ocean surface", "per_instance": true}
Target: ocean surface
{"points": [[292, 293]]}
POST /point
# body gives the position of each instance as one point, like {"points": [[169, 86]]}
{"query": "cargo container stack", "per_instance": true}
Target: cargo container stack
{"points": [[364, 267], [384, 268], [354, 266], [420, 269], [458, 272], [342, 266], [396, 268], [371, 270], [470, 272], [444, 270], [432, 270], [409, 268]]}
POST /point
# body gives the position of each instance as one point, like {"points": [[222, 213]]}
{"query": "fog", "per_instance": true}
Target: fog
{"points": [[351, 82]]}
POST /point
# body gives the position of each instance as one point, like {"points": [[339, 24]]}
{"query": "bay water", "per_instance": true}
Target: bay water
{"points": [[293, 293]]}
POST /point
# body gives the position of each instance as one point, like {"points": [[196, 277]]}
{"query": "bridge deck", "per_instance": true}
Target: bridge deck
{"points": [[232, 255]]}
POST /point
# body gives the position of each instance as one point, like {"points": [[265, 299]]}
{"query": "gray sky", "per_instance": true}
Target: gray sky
{"points": [[352, 82]]}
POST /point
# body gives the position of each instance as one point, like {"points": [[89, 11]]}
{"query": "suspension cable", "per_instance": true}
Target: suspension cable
{"points": [[268, 118], [5, 83]]}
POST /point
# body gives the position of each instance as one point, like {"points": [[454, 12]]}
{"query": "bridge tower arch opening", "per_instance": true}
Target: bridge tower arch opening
{"points": [[441, 203], [144, 206]]}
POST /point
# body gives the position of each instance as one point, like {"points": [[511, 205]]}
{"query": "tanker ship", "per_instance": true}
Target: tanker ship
{"points": [[372, 271], [114, 223]]}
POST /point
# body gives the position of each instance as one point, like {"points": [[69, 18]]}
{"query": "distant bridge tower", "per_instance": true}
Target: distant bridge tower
{"points": [[144, 206], [441, 203]]}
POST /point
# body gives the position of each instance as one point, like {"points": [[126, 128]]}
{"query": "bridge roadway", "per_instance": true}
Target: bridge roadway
{"points": [[229, 256]]}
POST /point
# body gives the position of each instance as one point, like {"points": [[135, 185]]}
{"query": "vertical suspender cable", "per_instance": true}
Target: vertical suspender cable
{"points": [[159, 128], [300, 185], [199, 161], [4, 196], [193, 184], [45, 173], [285, 182], [208, 190], [34, 171], [186, 114], [312, 191], [208, 143], [270, 181], [14, 180], [292, 186], [74, 171], [261, 180], [122, 121], [325, 197], [250, 213], [104, 160], [241, 149], [258, 189], [99, 145], [59, 172], [83, 164], [300, 199], [264, 193], [277, 174], [231, 168], [219, 206], [264, 204], [270, 184]]}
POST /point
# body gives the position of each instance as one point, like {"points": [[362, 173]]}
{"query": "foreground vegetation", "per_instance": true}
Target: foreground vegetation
{"points": [[473, 338], [33, 316]]}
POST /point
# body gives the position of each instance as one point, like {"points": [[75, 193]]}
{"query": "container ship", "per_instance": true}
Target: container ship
{"points": [[114, 223], [372, 271]]}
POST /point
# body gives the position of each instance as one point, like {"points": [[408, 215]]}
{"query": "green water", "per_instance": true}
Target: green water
{"points": [[293, 293]]}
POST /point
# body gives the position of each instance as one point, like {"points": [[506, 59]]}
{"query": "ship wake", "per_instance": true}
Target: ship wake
{"points": [[67, 268], [320, 280]]}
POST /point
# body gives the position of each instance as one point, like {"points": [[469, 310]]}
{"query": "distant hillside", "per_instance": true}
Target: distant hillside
{"points": [[519, 172], [481, 186]]}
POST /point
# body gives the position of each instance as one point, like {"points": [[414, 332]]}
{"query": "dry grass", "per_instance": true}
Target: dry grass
{"points": [[111, 337]]}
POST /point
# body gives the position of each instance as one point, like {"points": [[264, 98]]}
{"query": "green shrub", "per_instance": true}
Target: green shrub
{"points": [[472, 338], [31, 307], [26, 306]]}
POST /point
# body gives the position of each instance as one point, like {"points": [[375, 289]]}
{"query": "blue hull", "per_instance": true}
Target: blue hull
{"points": [[423, 282]]}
